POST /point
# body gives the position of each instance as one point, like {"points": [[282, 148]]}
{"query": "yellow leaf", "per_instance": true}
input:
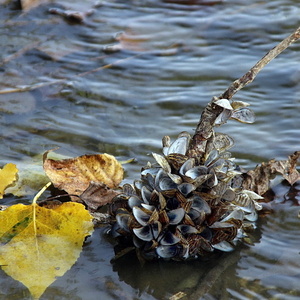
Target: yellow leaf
{"points": [[75, 174], [7, 176], [40, 244]]}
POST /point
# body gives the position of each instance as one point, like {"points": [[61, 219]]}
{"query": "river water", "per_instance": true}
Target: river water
{"points": [[166, 59]]}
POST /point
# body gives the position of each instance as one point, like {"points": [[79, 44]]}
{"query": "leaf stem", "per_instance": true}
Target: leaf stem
{"points": [[37, 196]]}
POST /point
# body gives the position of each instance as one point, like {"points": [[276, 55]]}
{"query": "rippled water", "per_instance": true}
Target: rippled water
{"points": [[168, 58]]}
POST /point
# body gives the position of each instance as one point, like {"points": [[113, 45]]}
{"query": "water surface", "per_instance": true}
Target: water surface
{"points": [[168, 59]]}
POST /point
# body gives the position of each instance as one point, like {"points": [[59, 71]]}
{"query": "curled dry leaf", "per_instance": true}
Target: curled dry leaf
{"points": [[258, 180], [75, 174], [7, 177], [97, 195]]}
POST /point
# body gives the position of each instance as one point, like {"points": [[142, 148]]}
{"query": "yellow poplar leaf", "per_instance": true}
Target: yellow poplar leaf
{"points": [[75, 174], [7, 176], [38, 244]]}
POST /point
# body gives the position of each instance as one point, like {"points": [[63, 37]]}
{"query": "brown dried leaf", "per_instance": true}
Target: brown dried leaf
{"points": [[258, 180], [75, 174], [97, 195]]}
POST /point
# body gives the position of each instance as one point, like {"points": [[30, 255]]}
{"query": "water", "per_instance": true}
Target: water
{"points": [[174, 57]]}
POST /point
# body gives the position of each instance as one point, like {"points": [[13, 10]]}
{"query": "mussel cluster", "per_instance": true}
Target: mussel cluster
{"points": [[185, 207]]}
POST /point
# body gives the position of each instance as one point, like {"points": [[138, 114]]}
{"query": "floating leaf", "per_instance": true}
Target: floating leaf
{"points": [[75, 174], [7, 176], [40, 244]]}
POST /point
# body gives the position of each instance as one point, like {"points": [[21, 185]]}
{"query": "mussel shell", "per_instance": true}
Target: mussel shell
{"points": [[162, 161], [167, 184], [172, 203], [176, 160], [244, 202], [251, 216], [162, 201], [134, 201], [175, 215], [138, 184], [222, 141], [224, 246], [221, 225], [119, 201], [229, 195], [124, 220], [236, 214], [200, 204], [152, 171], [252, 195], [198, 217], [163, 217], [146, 194], [213, 180], [197, 244], [164, 183], [212, 157], [186, 188], [169, 238], [180, 145], [149, 179], [187, 229], [195, 172], [149, 232], [175, 178], [141, 216], [190, 163], [128, 190], [223, 117], [244, 115], [225, 103], [166, 142], [148, 207], [239, 104]]}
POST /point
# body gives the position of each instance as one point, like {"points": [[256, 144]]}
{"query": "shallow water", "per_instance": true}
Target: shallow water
{"points": [[170, 61]]}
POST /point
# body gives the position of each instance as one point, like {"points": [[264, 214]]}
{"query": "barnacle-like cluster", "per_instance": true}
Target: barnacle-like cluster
{"points": [[184, 206]]}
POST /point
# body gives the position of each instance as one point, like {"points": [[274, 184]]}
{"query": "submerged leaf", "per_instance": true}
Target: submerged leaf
{"points": [[75, 174], [40, 244], [7, 176]]}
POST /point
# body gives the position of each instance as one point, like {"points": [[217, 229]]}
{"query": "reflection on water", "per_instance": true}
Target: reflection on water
{"points": [[168, 58]]}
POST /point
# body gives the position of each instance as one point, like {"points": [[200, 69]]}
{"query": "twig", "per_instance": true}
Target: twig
{"points": [[19, 52], [26, 88], [251, 74]]}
